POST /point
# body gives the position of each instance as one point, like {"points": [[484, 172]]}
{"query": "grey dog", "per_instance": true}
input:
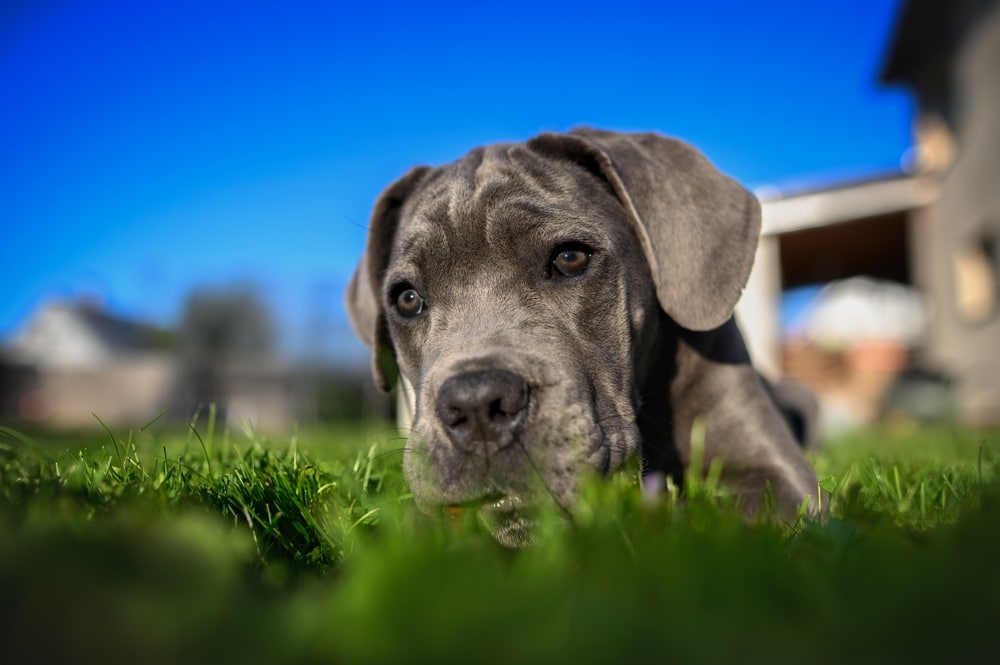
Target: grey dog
{"points": [[558, 305]]}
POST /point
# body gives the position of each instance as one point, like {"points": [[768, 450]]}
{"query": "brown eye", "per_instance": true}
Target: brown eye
{"points": [[569, 261], [409, 303]]}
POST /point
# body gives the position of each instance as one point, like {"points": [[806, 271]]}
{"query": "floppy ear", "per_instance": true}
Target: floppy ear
{"points": [[698, 227], [363, 297]]}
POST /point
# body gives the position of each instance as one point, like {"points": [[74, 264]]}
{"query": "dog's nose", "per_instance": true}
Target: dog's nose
{"points": [[483, 407]]}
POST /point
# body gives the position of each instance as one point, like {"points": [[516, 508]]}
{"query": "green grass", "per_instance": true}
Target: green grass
{"points": [[206, 545]]}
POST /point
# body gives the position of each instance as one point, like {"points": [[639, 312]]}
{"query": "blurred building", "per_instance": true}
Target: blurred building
{"points": [[72, 361], [934, 228]]}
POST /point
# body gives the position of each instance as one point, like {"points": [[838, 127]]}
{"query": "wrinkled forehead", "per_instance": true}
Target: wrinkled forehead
{"points": [[497, 195]]}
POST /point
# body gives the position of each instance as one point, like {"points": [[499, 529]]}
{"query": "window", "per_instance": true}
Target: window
{"points": [[977, 273]]}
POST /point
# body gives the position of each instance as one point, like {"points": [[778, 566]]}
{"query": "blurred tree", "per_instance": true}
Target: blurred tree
{"points": [[219, 331]]}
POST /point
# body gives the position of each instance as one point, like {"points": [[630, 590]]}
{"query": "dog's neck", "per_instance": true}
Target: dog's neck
{"points": [[655, 416], [684, 367]]}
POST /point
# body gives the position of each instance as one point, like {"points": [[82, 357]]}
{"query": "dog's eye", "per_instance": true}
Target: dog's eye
{"points": [[569, 260], [409, 303]]}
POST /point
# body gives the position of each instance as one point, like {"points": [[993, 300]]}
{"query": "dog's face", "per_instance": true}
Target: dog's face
{"points": [[507, 312], [513, 289]]}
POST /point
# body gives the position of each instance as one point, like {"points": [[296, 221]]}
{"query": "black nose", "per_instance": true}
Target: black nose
{"points": [[483, 407]]}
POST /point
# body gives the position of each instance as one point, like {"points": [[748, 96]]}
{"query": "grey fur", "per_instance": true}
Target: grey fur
{"points": [[623, 358]]}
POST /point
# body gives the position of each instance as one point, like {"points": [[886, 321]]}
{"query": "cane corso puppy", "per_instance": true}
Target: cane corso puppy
{"points": [[558, 305]]}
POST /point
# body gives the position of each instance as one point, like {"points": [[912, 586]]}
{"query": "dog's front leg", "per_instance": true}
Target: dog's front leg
{"points": [[715, 383]]}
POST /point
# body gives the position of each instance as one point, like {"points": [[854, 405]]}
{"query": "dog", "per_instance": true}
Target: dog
{"points": [[558, 305]]}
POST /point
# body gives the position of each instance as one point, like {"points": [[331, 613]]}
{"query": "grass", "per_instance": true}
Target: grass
{"points": [[213, 546]]}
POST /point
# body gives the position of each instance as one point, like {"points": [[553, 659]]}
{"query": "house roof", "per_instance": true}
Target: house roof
{"points": [[117, 333], [926, 34], [81, 335], [844, 202]]}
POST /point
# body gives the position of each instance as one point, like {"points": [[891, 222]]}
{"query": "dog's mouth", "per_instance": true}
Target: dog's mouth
{"points": [[507, 518]]}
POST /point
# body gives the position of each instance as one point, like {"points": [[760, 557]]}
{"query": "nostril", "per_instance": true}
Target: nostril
{"points": [[499, 410], [498, 417], [508, 406], [453, 417]]}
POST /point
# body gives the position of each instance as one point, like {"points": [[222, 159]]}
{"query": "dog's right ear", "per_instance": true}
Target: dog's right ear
{"points": [[363, 297]]}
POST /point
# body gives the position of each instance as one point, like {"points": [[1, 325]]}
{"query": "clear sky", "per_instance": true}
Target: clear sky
{"points": [[148, 148]]}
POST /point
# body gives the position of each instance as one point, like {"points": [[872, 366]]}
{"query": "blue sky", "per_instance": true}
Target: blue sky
{"points": [[149, 148]]}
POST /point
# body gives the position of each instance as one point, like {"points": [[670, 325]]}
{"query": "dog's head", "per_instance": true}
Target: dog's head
{"points": [[519, 289]]}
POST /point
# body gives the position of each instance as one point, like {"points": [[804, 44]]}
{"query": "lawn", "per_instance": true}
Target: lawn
{"points": [[155, 545]]}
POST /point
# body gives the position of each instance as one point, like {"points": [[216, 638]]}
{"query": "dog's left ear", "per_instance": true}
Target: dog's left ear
{"points": [[698, 227], [363, 298]]}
